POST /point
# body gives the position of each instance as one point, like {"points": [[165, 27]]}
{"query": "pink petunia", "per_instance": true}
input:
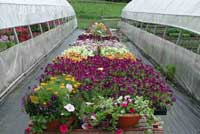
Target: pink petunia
{"points": [[124, 104], [132, 110], [28, 130], [63, 128], [119, 131]]}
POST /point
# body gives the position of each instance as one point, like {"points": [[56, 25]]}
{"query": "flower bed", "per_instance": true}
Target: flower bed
{"points": [[95, 86]]}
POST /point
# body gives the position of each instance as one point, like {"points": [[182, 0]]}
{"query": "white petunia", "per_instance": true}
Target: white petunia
{"points": [[89, 103], [70, 108], [127, 97], [69, 87]]}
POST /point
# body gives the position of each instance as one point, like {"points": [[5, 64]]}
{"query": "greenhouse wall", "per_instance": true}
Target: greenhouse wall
{"points": [[165, 52], [15, 61]]}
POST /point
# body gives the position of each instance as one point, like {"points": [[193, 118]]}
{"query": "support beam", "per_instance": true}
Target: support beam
{"points": [[155, 28], [48, 26], [165, 32], [15, 35], [40, 26], [30, 31], [179, 37]]}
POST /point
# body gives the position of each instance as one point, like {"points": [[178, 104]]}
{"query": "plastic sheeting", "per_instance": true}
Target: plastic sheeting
{"points": [[179, 13], [164, 52], [26, 12], [18, 59]]}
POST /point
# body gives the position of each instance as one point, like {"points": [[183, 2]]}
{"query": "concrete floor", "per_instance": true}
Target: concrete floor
{"points": [[182, 118]]}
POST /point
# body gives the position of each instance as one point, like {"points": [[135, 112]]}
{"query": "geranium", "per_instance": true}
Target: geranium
{"points": [[63, 128], [69, 107]]}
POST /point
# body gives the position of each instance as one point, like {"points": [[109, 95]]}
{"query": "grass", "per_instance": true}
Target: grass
{"points": [[88, 12]]}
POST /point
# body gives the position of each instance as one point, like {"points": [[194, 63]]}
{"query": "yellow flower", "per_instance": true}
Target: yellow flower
{"points": [[37, 88], [49, 89], [67, 78], [53, 78], [34, 99], [44, 103], [51, 82], [43, 84], [62, 86], [74, 91], [56, 93]]}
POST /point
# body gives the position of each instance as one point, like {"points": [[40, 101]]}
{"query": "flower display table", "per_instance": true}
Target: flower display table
{"points": [[128, 131]]}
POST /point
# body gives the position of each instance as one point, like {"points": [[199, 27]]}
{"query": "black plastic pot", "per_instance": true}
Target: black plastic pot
{"points": [[160, 111]]}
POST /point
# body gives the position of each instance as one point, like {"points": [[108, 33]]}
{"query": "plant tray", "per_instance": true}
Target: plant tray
{"points": [[96, 131]]}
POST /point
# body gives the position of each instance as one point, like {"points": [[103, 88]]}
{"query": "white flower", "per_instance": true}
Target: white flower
{"points": [[69, 87], [119, 99], [127, 97], [62, 114], [100, 68], [122, 111], [70, 108], [89, 103], [93, 117]]}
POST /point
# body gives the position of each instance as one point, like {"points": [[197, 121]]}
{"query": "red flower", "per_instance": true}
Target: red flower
{"points": [[124, 104], [63, 128], [119, 131], [28, 130], [132, 110]]}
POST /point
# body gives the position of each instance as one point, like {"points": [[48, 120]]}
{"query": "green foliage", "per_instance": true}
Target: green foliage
{"points": [[88, 12], [6, 45], [170, 71]]}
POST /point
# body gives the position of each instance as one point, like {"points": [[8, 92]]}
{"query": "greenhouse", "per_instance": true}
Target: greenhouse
{"points": [[99, 67]]}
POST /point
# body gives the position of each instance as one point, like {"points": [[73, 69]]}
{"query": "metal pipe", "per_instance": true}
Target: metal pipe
{"points": [[40, 26], [15, 35], [30, 31], [179, 37], [155, 28], [48, 26], [165, 32]]}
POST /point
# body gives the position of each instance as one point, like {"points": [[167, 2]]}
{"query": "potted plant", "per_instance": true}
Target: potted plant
{"points": [[98, 113], [49, 105], [131, 109]]}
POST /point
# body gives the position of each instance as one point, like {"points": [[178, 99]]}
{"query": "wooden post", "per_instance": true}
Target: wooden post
{"points": [[15, 35]]}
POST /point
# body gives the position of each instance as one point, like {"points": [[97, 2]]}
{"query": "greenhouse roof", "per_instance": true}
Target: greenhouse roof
{"points": [[24, 12], [179, 13]]}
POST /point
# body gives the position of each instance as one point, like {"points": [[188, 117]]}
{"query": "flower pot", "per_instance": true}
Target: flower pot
{"points": [[160, 111], [54, 125], [128, 120]]}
